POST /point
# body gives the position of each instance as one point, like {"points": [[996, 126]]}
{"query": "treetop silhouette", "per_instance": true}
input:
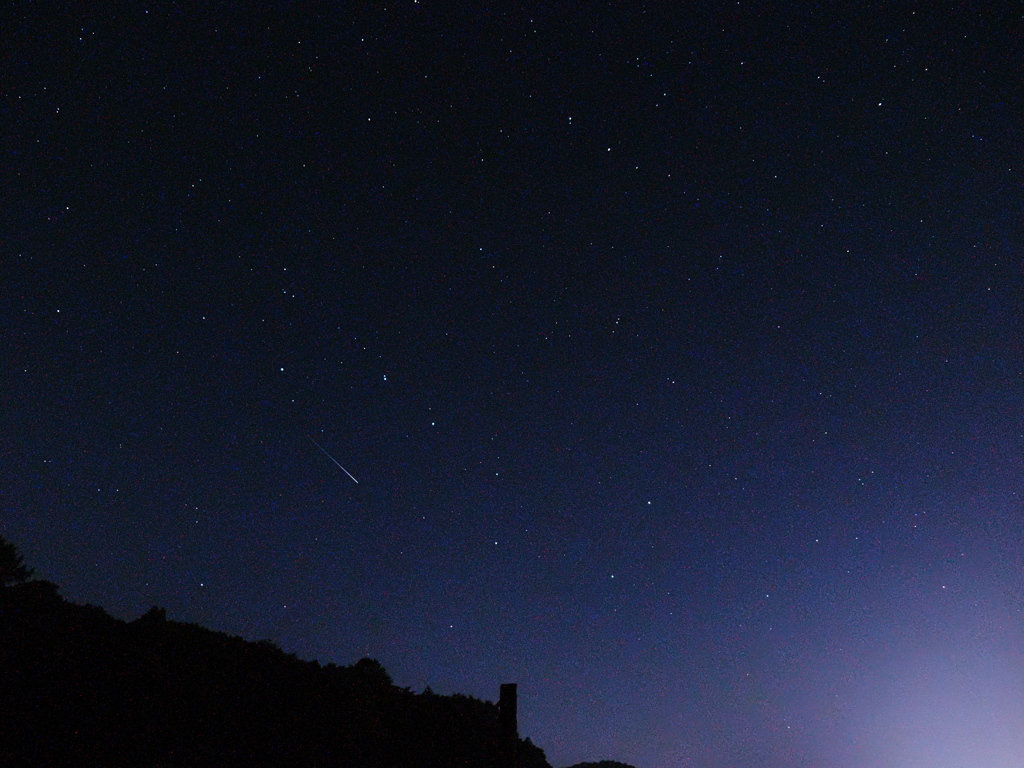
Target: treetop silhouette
{"points": [[12, 566]]}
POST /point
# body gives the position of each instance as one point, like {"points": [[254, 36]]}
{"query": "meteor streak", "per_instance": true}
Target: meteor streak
{"points": [[332, 459]]}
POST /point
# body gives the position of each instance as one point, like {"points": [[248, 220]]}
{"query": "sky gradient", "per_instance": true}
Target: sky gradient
{"points": [[676, 350]]}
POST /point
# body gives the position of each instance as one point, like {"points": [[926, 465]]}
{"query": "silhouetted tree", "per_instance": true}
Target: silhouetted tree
{"points": [[12, 567]]}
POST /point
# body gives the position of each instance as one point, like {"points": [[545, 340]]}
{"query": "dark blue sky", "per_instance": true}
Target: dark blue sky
{"points": [[676, 349]]}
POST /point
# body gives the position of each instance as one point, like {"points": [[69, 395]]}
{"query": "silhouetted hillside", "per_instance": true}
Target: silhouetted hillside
{"points": [[602, 764], [78, 687]]}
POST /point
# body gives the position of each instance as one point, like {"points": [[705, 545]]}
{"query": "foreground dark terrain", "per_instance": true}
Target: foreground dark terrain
{"points": [[79, 687]]}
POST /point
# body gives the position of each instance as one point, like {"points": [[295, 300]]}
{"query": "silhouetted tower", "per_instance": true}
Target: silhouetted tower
{"points": [[508, 725], [507, 712]]}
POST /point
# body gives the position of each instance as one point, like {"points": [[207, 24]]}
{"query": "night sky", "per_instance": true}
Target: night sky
{"points": [[677, 350]]}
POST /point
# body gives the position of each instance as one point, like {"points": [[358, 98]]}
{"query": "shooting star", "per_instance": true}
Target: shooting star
{"points": [[332, 459]]}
